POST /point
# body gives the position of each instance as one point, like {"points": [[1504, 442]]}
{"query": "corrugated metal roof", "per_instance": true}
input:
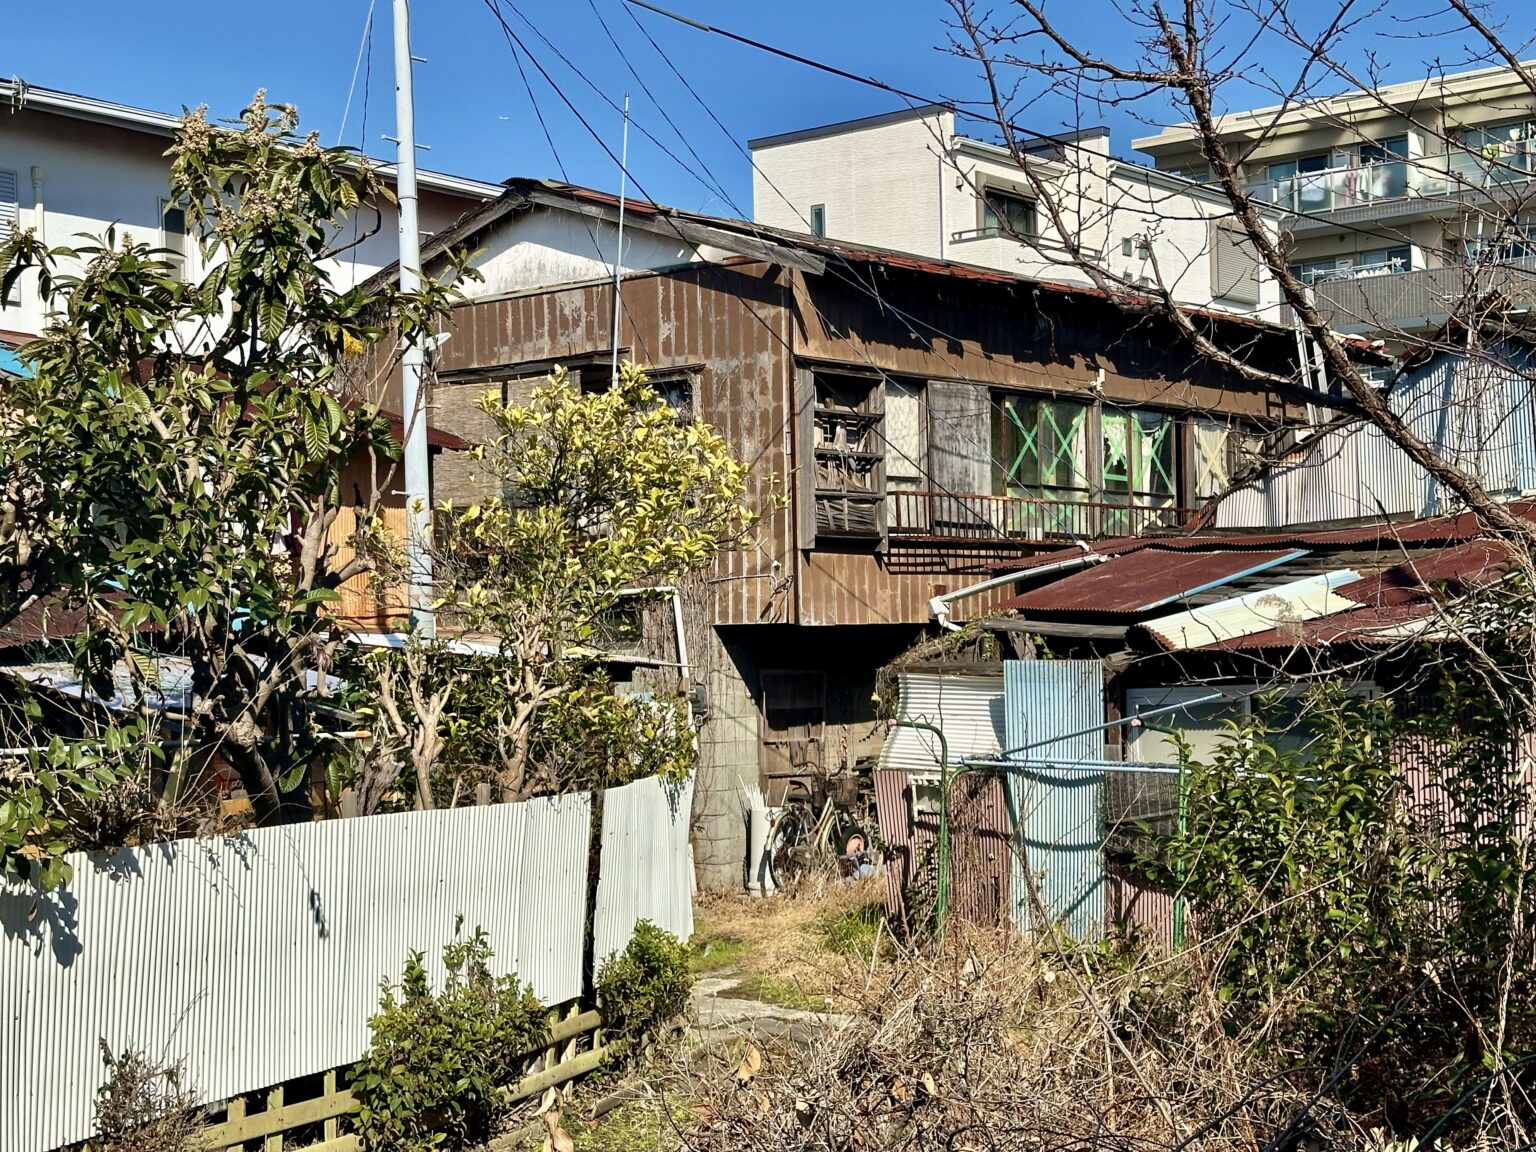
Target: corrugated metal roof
{"points": [[1259, 611], [1373, 624], [968, 708], [1146, 579]]}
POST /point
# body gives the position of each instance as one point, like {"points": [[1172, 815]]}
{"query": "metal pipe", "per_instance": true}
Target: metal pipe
{"points": [[39, 216], [938, 607], [413, 409], [941, 897], [1133, 721], [618, 253], [1073, 766]]}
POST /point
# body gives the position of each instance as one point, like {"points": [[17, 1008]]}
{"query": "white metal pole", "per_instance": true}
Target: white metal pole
{"points": [[418, 495], [618, 255]]}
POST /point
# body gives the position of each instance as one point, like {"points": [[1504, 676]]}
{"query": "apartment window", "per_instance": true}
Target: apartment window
{"points": [[1140, 453], [10, 212], [1007, 214], [1374, 262], [1285, 169], [1234, 264], [1517, 242], [819, 219], [1386, 151], [850, 456], [174, 238], [1040, 448]]}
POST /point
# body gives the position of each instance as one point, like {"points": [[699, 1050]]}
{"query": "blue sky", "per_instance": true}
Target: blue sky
{"points": [[473, 109]]}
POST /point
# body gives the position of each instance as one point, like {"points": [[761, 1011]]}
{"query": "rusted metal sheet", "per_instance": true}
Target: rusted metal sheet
{"points": [[1133, 907], [981, 857], [1141, 581], [894, 815], [729, 326]]}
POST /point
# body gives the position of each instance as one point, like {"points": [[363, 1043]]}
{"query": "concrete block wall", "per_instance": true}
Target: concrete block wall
{"points": [[728, 764]]}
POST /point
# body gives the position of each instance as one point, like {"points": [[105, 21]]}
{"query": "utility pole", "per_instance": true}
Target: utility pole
{"points": [[418, 496]]}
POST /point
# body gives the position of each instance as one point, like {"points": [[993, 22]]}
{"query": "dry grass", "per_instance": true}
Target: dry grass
{"points": [[806, 949], [992, 1042]]}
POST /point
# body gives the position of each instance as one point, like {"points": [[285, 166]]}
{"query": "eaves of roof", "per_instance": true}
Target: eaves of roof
{"points": [[19, 94]]}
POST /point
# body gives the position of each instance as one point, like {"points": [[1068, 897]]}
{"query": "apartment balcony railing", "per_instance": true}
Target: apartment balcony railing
{"points": [[1425, 298], [1346, 187], [963, 516]]}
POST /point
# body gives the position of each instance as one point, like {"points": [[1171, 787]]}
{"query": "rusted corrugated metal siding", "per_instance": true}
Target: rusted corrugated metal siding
{"points": [[980, 831], [989, 335], [894, 815], [731, 325], [1135, 908], [866, 588]]}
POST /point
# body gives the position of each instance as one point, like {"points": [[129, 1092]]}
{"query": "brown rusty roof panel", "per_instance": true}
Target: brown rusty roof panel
{"points": [[1139, 581]]}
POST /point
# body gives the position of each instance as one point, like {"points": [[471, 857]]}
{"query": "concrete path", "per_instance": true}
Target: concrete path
{"points": [[721, 1018]]}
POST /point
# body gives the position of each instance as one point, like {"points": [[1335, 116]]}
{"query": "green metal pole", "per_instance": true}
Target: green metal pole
{"points": [[1178, 868], [941, 900]]}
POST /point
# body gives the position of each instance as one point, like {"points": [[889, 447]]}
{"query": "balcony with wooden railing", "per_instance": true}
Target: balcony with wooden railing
{"points": [[921, 516]]}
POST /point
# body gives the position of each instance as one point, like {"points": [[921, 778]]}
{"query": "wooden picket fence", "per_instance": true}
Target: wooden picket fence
{"points": [[311, 1112]]}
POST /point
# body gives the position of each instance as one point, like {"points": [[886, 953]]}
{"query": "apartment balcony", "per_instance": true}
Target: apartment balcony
{"points": [[950, 516], [1398, 191], [1422, 299]]}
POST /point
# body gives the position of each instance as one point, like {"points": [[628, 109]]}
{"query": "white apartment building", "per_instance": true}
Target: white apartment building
{"points": [[72, 165], [908, 181], [1398, 202]]}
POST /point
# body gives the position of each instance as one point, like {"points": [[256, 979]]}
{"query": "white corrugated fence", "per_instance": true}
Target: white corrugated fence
{"points": [[257, 958], [645, 871]]}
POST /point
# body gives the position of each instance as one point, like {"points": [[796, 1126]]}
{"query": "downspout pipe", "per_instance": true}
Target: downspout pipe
{"points": [[39, 217], [938, 607]]}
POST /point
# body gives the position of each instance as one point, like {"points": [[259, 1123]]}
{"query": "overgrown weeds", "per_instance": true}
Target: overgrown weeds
{"points": [[646, 986], [144, 1107], [990, 1041]]}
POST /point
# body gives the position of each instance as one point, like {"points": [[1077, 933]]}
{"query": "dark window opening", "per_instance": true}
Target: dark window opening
{"points": [[1007, 214]]}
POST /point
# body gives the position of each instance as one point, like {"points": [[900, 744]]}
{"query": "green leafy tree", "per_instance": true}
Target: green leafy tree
{"points": [[175, 462], [600, 493]]}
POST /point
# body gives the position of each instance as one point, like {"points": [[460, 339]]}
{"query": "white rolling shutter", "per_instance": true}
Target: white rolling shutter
{"points": [[10, 207]]}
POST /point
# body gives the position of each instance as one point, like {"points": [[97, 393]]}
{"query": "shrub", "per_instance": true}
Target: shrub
{"points": [[646, 985], [143, 1107], [437, 1063]]}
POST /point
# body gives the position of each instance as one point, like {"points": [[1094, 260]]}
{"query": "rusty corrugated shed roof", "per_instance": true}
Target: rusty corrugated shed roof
{"points": [[1142, 580]]}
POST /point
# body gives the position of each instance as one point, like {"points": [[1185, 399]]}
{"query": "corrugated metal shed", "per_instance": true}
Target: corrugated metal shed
{"points": [[1058, 812], [968, 708], [646, 872], [1259, 611], [257, 958]]}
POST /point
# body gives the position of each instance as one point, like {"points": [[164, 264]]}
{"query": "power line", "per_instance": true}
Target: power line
{"points": [[364, 45], [958, 109], [493, 6]]}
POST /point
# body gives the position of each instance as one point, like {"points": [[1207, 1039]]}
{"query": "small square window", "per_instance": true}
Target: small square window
{"points": [[1007, 214], [173, 237]]}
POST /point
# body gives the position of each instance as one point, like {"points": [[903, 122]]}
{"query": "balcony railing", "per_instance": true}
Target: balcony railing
{"points": [[1345, 187], [962, 516], [1426, 298]]}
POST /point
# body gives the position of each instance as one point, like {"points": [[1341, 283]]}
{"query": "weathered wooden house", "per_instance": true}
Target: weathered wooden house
{"points": [[913, 427]]}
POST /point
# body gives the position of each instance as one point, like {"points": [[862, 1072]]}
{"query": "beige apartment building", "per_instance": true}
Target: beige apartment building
{"points": [[1397, 202], [910, 182]]}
